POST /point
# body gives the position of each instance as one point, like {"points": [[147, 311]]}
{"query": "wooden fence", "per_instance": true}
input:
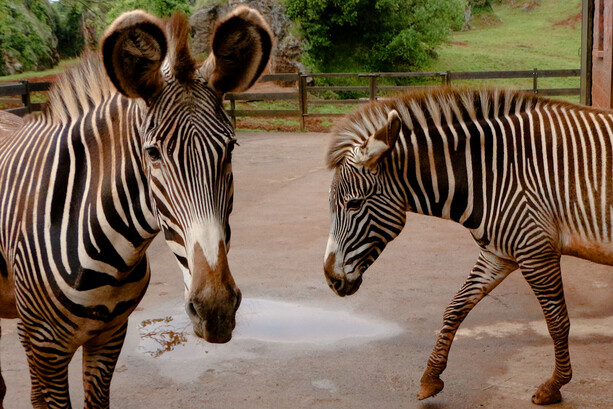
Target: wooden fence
{"points": [[304, 88], [23, 90]]}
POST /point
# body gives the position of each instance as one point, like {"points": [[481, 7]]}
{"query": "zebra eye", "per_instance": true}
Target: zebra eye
{"points": [[231, 144], [354, 204], [153, 153], [230, 147]]}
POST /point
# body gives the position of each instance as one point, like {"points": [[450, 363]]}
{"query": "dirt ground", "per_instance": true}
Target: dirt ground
{"points": [[297, 345]]}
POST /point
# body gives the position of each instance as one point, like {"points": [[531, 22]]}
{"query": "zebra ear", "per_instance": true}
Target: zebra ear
{"points": [[241, 47], [379, 144], [133, 49]]}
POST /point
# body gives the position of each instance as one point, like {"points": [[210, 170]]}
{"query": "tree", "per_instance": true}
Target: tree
{"points": [[27, 39], [160, 8], [377, 35], [69, 32]]}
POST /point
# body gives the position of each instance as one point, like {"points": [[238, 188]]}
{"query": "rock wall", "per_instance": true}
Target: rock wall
{"points": [[287, 48]]}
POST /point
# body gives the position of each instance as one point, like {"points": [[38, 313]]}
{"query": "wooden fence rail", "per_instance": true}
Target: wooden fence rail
{"points": [[306, 86], [303, 88], [22, 89]]}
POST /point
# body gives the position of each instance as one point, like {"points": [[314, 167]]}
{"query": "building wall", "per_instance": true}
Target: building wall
{"points": [[602, 55]]}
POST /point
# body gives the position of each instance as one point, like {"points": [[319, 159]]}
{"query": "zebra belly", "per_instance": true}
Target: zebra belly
{"points": [[599, 252]]}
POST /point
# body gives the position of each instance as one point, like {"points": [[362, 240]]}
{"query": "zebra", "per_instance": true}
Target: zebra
{"points": [[135, 141], [530, 178], [9, 123]]}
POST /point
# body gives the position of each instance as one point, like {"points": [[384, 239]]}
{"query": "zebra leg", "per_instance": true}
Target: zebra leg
{"points": [[48, 373], [100, 356], [487, 273], [545, 278]]}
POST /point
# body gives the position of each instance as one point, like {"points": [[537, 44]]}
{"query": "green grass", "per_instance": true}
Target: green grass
{"points": [[61, 67], [518, 40], [511, 39]]}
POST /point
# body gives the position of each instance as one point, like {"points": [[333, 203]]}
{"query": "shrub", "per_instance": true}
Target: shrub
{"points": [[376, 35], [27, 41]]}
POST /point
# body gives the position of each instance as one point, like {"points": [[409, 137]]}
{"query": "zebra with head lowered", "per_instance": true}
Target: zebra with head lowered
{"points": [[531, 179], [134, 142]]}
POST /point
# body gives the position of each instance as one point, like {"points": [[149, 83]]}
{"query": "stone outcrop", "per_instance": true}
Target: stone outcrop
{"points": [[287, 48]]}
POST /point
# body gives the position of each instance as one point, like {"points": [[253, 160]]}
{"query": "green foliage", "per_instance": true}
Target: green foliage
{"points": [[478, 6], [27, 40], [376, 35], [160, 8], [69, 31]]}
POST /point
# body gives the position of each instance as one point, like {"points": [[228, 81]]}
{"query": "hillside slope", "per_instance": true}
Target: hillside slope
{"points": [[521, 35]]}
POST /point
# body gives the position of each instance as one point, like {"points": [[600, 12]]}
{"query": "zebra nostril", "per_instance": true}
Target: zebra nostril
{"points": [[339, 284], [336, 284], [191, 309]]}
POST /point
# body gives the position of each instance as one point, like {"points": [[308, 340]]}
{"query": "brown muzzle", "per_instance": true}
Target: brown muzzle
{"points": [[339, 282], [213, 297]]}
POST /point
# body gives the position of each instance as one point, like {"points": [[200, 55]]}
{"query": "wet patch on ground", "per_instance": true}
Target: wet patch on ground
{"points": [[288, 327]]}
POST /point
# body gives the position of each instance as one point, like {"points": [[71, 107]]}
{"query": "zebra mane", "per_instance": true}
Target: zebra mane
{"points": [[79, 89], [426, 109]]}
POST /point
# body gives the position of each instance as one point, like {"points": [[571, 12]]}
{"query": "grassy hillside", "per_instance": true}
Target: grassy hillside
{"points": [[518, 37]]}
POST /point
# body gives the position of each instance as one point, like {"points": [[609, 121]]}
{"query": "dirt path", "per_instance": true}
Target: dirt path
{"points": [[297, 345]]}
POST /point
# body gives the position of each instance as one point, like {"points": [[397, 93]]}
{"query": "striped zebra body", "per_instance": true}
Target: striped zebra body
{"points": [[133, 143], [531, 178]]}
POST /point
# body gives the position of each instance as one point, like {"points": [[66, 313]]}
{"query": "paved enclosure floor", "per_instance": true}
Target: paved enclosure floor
{"points": [[298, 345]]}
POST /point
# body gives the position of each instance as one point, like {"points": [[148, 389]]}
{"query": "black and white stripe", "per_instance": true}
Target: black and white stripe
{"points": [[531, 179], [134, 142]]}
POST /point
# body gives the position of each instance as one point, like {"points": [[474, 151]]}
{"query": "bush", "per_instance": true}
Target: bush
{"points": [[69, 31], [27, 41], [375, 35], [160, 8]]}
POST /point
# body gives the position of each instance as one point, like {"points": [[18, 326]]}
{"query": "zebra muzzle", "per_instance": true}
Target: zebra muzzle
{"points": [[340, 283], [214, 321], [213, 297]]}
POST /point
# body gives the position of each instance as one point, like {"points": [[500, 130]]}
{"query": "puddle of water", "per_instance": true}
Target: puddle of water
{"points": [[161, 335], [268, 322], [275, 321]]}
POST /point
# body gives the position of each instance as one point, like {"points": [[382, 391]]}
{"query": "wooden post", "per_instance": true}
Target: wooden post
{"points": [[535, 75], [232, 111], [587, 43], [448, 78], [302, 100], [25, 97], [373, 86]]}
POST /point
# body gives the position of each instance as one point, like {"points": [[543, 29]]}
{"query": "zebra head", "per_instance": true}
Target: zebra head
{"points": [[366, 212], [187, 141]]}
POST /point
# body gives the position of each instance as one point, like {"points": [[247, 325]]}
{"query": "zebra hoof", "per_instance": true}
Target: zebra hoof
{"points": [[546, 395], [430, 387]]}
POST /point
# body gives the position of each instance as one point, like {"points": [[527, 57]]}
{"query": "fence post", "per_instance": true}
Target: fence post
{"points": [[443, 78], [232, 110], [302, 100], [448, 78], [535, 75], [25, 97], [373, 86]]}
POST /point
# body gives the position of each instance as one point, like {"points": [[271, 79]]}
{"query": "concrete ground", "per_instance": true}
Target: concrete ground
{"points": [[297, 345]]}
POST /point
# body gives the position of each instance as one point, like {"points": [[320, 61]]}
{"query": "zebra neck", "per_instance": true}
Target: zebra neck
{"points": [[437, 167], [100, 196]]}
